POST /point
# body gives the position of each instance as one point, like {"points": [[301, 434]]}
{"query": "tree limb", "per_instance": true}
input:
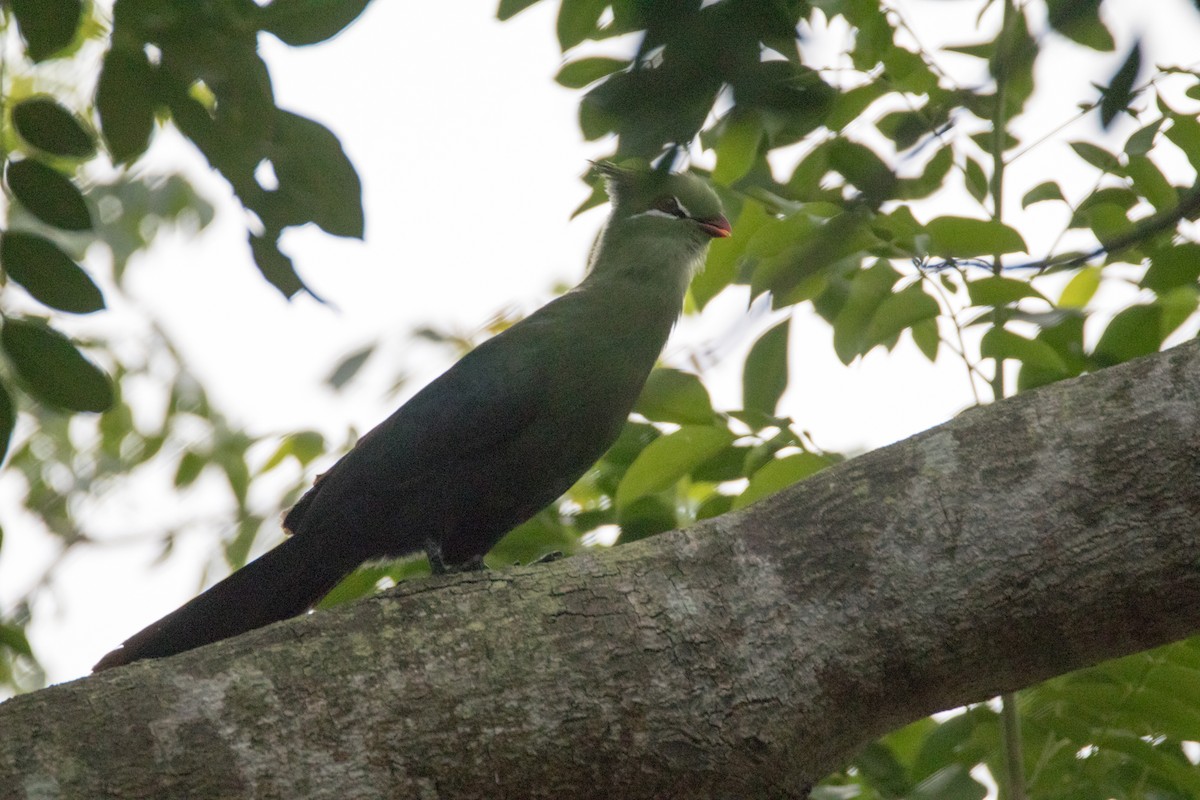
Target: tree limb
{"points": [[744, 657]]}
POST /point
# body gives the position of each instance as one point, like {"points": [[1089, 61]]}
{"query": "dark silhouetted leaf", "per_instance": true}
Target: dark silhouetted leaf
{"points": [[48, 195], [765, 375], [578, 74], [317, 182], [126, 103], [1141, 141], [275, 266], [47, 26], [1079, 20], [963, 237], [1117, 96], [8, 419], [674, 396], [55, 372], [48, 273], [301, 22], [510, 8], [45, 124]]}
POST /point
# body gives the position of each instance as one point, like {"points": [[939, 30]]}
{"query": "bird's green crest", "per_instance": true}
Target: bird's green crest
{"points": [[634, 189]]}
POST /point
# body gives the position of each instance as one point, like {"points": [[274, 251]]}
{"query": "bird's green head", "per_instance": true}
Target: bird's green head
{"points": [[673, 203]]}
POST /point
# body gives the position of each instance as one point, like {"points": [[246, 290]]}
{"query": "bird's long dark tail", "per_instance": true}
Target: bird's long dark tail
{"points": [[282, 583]]}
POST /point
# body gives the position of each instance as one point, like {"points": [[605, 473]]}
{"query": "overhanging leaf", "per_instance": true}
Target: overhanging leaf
{"points": [[125, 105], [765, 376], [48, 273], [778, 474], [963, 237], [668, 458], [48, 195], [47, 26], [997, 290], [317, 182], [48, 126], [301, 22], [1116, 97], [671, 395], [55, 372], [1002, 344], [578, 74]]}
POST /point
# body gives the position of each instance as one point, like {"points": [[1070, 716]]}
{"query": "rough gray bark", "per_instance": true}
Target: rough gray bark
{"points": [[744, 657]]}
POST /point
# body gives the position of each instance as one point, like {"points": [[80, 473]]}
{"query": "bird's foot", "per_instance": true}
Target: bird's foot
{"points": [[438, 565]]}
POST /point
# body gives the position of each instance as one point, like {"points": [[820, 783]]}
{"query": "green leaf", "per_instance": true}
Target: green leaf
{"points": [[899, 312], [348, 367], [1081, 288], [48, 195], [926, 337], [963, 237], [510, 8], [674, 396], [317, 182], [668, 458], [1151, 184], [48, 126], [55, 372], [1141, 141], [1002, 344], [578, 20], [765, 375], [1117, 96], [47, 26], [1136, 331], [301, 22], [276, 267], [1043, 191], [126, 103], [1097, 156], [778, 474], [8, 420], [304, 446], [48, 273], [997, 290], [1079, 20], [191, 464], [976, 180], [1170, 267], [868, 289], [585, 71], [13, 637], [1184, 133], [737, 147]]}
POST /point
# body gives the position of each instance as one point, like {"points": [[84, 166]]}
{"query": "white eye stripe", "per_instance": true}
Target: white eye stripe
{"points": [[654, 212]]}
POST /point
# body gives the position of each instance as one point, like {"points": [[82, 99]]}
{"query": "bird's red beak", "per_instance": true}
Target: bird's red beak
{"points": [[717, 227]]}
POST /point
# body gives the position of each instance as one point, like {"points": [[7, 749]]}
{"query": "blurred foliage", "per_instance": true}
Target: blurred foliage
{"points": [[77, 214], [877, 192]]}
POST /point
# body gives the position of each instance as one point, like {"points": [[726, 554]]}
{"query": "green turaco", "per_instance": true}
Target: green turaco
{"points": [[493, 440]]}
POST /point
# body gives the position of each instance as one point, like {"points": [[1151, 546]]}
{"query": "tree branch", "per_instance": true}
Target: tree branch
{"points": [[743, 657]]}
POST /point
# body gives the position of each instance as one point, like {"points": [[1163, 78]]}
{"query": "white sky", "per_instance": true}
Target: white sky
{"points": [[469, 155]]}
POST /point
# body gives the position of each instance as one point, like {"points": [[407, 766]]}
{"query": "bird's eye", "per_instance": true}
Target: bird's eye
{"points": [[670, 205]]}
